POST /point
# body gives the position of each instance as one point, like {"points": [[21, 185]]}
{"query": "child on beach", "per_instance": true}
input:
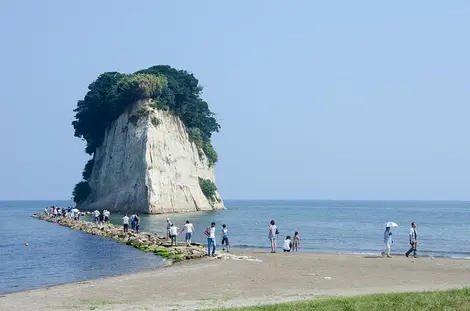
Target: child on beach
{"points": [[287, 244], [225, 238], [296, 243], [272, 235]]}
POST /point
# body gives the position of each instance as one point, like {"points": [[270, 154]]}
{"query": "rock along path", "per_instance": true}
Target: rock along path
{"points": [[144, 241]]}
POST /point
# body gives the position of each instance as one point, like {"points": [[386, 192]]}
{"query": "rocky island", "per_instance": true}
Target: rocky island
{"points": [[149, 137]]}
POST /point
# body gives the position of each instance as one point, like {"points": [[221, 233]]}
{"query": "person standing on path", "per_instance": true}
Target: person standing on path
{"points": [[413, 240], [106, 214], [189, 232], [133, 222], [137, 222], [387, 242], [125, 223], [272, 235], [97, 214], [173, 234], [168, 226], [211, 244]]}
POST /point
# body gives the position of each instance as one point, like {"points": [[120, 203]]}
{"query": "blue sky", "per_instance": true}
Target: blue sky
{"points": [[317, 99]]}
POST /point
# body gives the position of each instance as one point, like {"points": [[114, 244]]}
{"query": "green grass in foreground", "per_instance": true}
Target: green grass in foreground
{"points": [[93, 304], [429, 301]]}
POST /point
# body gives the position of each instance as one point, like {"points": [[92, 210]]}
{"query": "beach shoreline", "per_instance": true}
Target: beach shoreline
{"points": [[248, 278]]}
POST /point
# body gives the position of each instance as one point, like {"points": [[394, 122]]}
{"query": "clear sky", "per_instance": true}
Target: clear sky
{"points": [[316, 99]]}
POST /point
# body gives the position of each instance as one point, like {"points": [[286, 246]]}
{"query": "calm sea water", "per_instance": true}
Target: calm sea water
{"points": [[58, 255]]}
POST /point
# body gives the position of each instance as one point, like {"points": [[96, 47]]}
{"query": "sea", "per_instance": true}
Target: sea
{"points": [[57, 255]]}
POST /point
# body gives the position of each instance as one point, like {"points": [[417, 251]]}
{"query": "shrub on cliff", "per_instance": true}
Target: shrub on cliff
{"points": [[81, 191], [86, 174], [208, 188], [205, 146]]}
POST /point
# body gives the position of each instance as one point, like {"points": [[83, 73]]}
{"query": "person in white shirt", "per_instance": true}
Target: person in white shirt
{"points": [[106, 215], [125, 223], [173, 234], [413, 241], [97, 213], [189, 228], [387, 242], [287, 244], [211, 244]]}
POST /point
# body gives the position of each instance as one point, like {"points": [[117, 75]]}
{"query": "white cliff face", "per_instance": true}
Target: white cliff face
{"points": [[149, 168]]}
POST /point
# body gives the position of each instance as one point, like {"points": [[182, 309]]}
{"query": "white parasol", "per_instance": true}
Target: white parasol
{"points": [[391, 224]]}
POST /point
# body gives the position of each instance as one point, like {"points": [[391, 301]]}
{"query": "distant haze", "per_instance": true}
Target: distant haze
{"points": [[316, 99]]}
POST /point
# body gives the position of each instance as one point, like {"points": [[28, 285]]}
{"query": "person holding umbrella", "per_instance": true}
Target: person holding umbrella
{"points": [[388, 238]]}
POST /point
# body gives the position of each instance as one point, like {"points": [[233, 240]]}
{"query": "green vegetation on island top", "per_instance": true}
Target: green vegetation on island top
{"points": [[112, 93], [458, 300]]}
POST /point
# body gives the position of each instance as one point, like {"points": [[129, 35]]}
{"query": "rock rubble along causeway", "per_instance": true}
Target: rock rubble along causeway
{"points": [[144, 241]]}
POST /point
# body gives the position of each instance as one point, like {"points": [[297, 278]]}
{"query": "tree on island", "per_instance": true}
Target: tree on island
{"points": [[112, 93]]}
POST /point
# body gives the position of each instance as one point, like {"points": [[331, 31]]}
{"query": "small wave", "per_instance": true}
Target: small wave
{"points": [[423, 253]]}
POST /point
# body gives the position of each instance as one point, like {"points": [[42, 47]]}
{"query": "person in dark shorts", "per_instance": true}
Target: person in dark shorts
{"points": [[413, 236], [225, 238], [125, 223]]}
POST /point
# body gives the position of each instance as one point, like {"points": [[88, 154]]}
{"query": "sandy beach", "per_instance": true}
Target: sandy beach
{"points": [[249, 278]]}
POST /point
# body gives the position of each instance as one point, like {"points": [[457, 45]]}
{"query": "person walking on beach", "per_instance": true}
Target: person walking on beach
{"points": [[296, 243], [413, 241], [168, 226], [387, 242], [211, 244], [189, 228], [272, 235], [125, 223], [225, 238]]}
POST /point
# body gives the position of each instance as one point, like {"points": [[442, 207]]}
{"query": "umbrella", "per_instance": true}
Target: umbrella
{"points": [[391, 224]]}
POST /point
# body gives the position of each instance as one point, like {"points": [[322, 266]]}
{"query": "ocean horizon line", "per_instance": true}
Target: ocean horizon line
{"points": [[281, 200]]}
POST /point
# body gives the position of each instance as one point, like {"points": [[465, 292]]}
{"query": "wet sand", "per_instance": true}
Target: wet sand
{"points": [[279, 277]]}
